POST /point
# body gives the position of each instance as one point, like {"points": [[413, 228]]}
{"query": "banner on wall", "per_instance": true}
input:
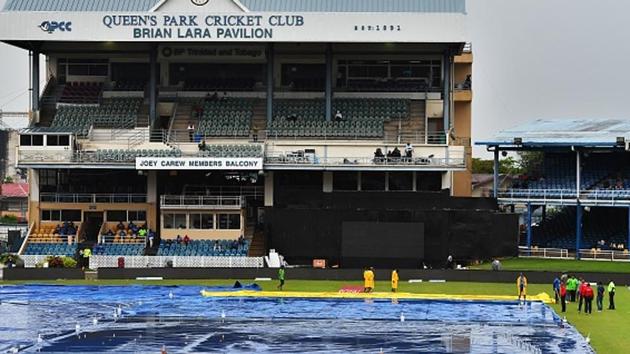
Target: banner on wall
{"points": [[198, 163]]}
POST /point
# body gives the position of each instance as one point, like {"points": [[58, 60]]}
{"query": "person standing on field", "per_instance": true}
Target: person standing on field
{"points": [[281, 276], [394, 280], [563, 296], [600, 296], [521, 284], [611, 295]]}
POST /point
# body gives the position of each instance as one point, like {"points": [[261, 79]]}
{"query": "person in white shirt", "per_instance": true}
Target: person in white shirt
{"points": [[408, 150], [191, 130]]}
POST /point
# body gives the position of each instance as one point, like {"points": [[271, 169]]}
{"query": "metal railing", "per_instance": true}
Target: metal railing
{"points": [[233, 191], [92, 198], [419, 138], [535, 252], [605, 255], [199, 201], [294, 159], [587, 197]]}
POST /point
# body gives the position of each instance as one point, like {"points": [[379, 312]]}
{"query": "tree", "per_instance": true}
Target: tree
{"points": [[508, 166]]}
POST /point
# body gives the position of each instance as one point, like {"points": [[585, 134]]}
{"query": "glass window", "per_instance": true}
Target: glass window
{"points": [[400, 181], [38, 140], [52, 140], [195, 221], [373, 181], [229, 221], [174, 221], [117, 215], [64, 140], [428, 181], [345, 181], [71, 215], [207, 221], [25, 140], [137, 215]]}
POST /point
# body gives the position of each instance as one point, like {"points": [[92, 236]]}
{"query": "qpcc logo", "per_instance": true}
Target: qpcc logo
{"points": [[52, 26]]}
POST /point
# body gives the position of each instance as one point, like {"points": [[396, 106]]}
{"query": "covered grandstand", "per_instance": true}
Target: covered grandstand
{"points": [[224, 121], [578, 197]]}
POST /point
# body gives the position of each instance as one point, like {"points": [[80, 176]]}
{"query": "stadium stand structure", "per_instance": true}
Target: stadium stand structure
{"points": [[582, 177], [213, 140]]}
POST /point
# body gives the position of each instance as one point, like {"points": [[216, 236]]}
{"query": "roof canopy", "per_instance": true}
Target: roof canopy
{"points": [[295, 21], [581, 132], [429, 6]]}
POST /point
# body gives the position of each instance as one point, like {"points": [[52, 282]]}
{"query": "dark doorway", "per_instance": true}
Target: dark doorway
{"points": [[92, 222]]}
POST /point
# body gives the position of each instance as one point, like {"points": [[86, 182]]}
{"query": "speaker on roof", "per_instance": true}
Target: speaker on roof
{"points": [[621, 141], [518, 141]]}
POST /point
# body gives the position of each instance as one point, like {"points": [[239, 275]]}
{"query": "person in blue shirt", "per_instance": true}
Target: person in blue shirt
{"points": [[556, 288], [600, 296]]}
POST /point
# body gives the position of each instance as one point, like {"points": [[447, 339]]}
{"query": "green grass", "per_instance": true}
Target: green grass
{"points": [[559, 265], [605, 329]]}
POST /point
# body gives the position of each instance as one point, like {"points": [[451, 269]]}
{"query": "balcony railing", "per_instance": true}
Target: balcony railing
{"points": [[301, 160], [586, 197], [201, 202], [91, 198]]}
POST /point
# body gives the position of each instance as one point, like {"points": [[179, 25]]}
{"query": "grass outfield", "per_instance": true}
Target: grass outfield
{"points": [[605, 329], [559, 265]]}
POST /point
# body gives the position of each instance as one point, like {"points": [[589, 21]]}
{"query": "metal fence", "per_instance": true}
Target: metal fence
{"points": [[92, 198], [186, 201], [296, 159], [177, 262], [559, 253]]}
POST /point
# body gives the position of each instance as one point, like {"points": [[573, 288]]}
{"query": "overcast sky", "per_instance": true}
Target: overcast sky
{"points": [[533, 59]]}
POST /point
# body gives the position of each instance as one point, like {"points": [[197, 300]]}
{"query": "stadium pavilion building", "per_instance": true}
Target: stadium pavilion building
{"points": [[268, 119], [576, 197]]}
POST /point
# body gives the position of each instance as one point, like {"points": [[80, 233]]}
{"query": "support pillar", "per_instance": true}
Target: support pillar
{"points": [[327, 182], [628, 241], [578, 229], [35, 80], [153, 75], [270, 83], [529, 226], [446, 94], [495, 172], [329, 78], [577, 174], [269, 189]]}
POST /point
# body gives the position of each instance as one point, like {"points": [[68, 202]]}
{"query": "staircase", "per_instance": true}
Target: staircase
{"points": [[178, 130], [258, 247], [412, 128], [259, 116], [142, 120]]}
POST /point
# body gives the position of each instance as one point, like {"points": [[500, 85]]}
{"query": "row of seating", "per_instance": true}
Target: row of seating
{"points": [[118, 155], [81, 92], [111, 113], [350, 108], [51, 249], [232, 150], [204, 248], [558, 230], [221, 84], [129, 85], [118, 249], [225, 117], [363, 129]]}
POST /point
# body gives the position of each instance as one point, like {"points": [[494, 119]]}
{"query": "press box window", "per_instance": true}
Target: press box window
{"points": [[174, 221], [31, 140], [138, 215], [201, 221], [57, 140], [229, 221]]}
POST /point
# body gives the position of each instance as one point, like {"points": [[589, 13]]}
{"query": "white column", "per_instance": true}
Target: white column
{"points": [[151, 186], [269, 189], [33, 179], [327, 182]]}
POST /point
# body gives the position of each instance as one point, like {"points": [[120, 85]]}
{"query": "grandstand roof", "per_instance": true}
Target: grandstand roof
{"points": [[432, 6], [80, 5], [586, 132]]}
